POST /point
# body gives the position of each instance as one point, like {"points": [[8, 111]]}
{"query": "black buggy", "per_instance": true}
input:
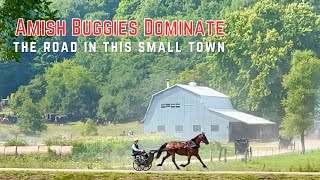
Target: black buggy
{"points": [[241, 147], [286, 142], [142, 162]]}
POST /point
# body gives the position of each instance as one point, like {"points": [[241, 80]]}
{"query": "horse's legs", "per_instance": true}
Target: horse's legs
{"points": [[184, 165], [203, 165], [164, 158], [174, 160]]}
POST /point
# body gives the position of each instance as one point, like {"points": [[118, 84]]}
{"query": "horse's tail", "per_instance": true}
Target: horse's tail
{"points": [[161, 149]]}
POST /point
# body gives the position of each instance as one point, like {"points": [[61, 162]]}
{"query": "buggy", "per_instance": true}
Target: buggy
{"points": [[286, 142], [143, 162], [241, 147]]}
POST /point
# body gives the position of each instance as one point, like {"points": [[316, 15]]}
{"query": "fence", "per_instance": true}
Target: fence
{"points": [[262, 151], [27, 150]]}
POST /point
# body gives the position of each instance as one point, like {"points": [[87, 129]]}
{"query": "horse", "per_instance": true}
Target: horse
{"points": [[285, 142], [184, 148]]}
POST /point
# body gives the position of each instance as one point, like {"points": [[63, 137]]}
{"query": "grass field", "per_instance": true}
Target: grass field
{"points": [[68, 131], [295, 162], [144, 176]]}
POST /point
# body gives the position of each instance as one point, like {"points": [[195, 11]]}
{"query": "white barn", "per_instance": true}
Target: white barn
{"points": [[186, 110]]}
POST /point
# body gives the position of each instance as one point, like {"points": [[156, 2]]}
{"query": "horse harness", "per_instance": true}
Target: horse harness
{"points": [[190, 145]]}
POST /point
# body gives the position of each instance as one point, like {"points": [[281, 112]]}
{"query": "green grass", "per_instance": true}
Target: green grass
{"points": [[140, 176], [74, 130], [67, 131], [310, 162]]}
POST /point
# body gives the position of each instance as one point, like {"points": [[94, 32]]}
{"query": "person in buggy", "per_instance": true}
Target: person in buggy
{"points": [[136, 151]]}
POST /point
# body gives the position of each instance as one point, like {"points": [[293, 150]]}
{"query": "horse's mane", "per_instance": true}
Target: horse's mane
{"points": [[194, 139]]}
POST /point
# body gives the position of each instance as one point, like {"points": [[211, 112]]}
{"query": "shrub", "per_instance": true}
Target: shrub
{"points": [[90, 128], [57, 141], [16, 142]]}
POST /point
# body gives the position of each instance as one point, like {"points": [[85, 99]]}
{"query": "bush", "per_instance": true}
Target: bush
{"points": [[57, 141], [90, 128], [16, 142]]}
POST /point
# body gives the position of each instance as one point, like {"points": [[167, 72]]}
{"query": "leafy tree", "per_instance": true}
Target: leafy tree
{"points": [[259, 43], [200, 74], [302, 85], [10, 12], [29, 118], [34, 91], [71, 90], [90, 128]]}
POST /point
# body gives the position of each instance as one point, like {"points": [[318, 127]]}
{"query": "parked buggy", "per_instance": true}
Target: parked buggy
{"points": [[241, 147], [286, 142], [143, 162]]}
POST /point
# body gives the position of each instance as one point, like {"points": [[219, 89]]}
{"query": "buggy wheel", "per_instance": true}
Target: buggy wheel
{"points": [[147, 167], [138, 165]]}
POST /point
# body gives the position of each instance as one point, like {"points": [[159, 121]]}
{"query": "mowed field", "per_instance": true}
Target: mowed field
{"points": [[68, 131]]}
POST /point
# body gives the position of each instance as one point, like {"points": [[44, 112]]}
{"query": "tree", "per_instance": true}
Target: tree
{"points": [[259, 42], [35, 90], [71, 90], [10, 12], [29, 117], [302, 84], [90, 128]]}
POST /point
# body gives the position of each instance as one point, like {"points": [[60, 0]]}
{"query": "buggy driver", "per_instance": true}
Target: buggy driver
{"points": [[136, 150]]}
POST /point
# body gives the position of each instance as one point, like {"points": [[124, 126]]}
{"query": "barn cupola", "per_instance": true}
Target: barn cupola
{"points": [[192, 84]]}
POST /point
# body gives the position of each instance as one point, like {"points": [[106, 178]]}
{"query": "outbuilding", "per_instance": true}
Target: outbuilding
{"points": [[184, 111]]}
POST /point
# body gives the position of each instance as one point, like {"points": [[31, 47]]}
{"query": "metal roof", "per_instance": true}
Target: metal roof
{"points": [[201, 90], [240, 116]]}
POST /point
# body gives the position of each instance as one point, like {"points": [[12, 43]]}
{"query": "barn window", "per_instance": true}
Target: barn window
{"points": [[196, 128], [175, 105], [179, 128], [214, 127], [161, 128]]}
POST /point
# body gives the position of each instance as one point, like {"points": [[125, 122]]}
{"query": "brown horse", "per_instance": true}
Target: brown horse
{"points": [[184, 148]]}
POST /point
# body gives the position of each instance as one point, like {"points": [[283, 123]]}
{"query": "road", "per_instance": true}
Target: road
{"points": [[155, 172]]}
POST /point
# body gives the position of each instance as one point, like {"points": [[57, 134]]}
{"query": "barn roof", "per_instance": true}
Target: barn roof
{"points": [[201, 90], [240, 116]]}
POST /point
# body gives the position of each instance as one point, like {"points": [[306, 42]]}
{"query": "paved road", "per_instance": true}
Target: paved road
{"points": [[155, 172]]}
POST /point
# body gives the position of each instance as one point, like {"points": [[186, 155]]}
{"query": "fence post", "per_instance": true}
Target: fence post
{"points": [[220, 152], [272, 151], [225, 155], [210, 154], [266, 151], [258, 153]]}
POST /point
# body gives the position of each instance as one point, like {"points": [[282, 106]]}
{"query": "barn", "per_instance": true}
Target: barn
{"points": [[184, 111]]}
